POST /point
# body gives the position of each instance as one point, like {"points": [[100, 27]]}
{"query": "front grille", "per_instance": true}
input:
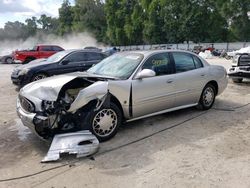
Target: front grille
{"points": [[26, 104], [244, 60], [245, 68]]}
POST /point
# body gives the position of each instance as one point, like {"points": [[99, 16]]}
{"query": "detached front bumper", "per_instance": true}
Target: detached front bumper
{"points": [[239, 72]]}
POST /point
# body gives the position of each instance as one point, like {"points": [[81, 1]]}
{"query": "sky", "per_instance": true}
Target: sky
{"points": [[20, 10]]}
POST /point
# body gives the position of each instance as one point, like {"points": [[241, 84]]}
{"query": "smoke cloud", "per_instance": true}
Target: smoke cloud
{"points": [[71, 41]]}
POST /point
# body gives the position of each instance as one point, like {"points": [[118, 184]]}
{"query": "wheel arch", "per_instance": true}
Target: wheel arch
{"points": [[215, 84], [30, 57], [38, 72], [117, 102]]}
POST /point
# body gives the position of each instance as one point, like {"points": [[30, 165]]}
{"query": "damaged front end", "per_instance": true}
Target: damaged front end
{"points": [[50, 107]]}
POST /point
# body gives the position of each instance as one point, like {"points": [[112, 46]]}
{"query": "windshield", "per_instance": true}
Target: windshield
{"points": [[117, 65], [57, 56]]}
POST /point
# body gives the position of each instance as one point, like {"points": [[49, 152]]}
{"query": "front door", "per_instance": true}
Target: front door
{"points": [[154, 94]]}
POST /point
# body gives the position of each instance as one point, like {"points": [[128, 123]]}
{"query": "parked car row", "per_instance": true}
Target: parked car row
{"points": [[39, 51], [121, 88], [60, 63]]}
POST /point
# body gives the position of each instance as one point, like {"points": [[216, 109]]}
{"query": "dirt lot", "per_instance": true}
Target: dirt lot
{"points": [[187, 148]]}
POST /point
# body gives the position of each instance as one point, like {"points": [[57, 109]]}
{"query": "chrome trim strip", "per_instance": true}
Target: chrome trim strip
{"points": [[160, 96], [163, 111]]}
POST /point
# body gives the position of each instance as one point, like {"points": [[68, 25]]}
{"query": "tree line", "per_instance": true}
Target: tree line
{"points": [[131, 22]]}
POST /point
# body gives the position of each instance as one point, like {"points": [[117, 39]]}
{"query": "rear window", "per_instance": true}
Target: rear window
{"points": [[197, 62], [183, 62], [56, 48], [46, 48], [93, 56]]}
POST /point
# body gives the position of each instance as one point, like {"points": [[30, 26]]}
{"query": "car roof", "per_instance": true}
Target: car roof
{"points": [[82, 50], [147, 53], [150, 52]]}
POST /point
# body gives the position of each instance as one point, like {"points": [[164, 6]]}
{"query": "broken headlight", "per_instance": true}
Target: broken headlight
{"points": [[23, 71], [48, 106]]}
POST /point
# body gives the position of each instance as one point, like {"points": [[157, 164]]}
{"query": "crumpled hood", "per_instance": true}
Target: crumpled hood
{"points": [[46, 89], [49, 88]]}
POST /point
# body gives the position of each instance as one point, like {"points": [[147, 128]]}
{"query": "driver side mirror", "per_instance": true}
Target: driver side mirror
{"points": [[145, 73], [64, 62]]}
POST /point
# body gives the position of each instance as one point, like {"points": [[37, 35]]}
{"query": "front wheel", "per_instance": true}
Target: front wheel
{"points": [[103, 123], [207, 97], [38, 77]]}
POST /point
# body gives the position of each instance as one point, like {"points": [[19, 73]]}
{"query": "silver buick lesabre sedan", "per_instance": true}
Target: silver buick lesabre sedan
{"points": [[123, 87]]}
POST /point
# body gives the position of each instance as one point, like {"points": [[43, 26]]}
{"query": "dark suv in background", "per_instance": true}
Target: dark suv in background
{"points": [[60, 63]]}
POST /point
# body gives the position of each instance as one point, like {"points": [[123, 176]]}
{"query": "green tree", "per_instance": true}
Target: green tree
{"points": [[15, 30], [65, 18], [133, 21], [89, 16], [115, 17], [31, 26], [153, 24]]}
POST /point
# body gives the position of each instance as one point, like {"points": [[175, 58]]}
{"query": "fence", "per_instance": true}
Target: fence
{"points": [[231, 46]]}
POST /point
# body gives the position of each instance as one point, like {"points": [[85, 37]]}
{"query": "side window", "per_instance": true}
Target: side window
{"points": [[92, 56], [77, 57], [56, 48], [197, 62], [183, 62], [46, 48], [160, 63]]}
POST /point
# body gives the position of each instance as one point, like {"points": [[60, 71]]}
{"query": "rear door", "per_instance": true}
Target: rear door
{"points": [[45, 51], [75, 62], [92, 59], [150, 95], [189, 79]]}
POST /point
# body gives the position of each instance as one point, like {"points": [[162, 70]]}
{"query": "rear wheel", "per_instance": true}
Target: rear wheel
{"points": [[237, 80], [103, 123], [207, 97], [38, 77], [9, 60]]}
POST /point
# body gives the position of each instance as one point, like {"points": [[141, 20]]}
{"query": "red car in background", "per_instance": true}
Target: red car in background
{"points": [[39, 51]]}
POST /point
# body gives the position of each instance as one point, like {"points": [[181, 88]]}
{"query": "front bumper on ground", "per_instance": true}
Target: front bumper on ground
{"points": [[239, 72]]}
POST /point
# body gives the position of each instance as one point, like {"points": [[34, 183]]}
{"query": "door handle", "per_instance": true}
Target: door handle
{"points": [[169, 81], [203, 74]]}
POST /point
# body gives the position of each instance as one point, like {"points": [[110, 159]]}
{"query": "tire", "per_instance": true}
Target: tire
{"points": [[237, 80], [38, 76], [95, 123], [8, 60], [207, 97]]}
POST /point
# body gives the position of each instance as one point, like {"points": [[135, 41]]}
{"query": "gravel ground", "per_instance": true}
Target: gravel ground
{"points": [[186, 148]]}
